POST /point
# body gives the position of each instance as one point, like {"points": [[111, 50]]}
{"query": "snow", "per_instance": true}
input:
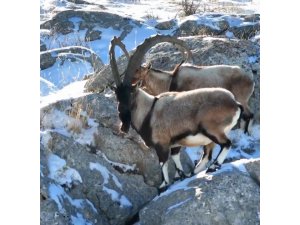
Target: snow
{"points": [[125, 168], [105, 174], [177, 205], [60, 122], [79, 220], [115, 196], [61, 173], [73, 90], [58, 194]]}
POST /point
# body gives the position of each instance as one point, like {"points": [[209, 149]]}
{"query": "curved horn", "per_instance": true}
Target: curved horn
{"points": [[136, 59], [112, 59]]}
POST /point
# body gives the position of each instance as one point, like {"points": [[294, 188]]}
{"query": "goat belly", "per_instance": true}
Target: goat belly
{"points": [[194, 140]]}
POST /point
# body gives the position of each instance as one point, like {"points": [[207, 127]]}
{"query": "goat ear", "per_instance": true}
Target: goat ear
{"points": [[137, 84], [149, 66]]}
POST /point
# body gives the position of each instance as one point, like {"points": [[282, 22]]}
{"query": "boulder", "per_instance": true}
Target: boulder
{"points": [[102, 195], [61, 22], [193, 28], [46, 60], [166, 25], [92, 35], [253, 168], [229, 197], [245, 32]]}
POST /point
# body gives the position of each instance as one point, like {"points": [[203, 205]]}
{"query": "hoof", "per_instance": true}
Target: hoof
{"points": [[214, 169], [211, 170], [161, 190], [177, 178], [195, 162]]}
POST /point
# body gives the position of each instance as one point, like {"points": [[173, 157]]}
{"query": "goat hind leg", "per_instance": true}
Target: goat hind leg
{"points": [[225, 148], [206, 157]]}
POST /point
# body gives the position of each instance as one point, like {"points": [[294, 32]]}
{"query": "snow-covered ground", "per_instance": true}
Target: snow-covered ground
{"points": [[144, 10]]}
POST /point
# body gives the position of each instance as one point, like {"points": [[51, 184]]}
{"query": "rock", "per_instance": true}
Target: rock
{"points": [[92, 35], [230, 197], [245, 32], [88, 19], [43, 46], [192, 28], [65, 27], [166, 25], [105, 195], [104, 78], [46, 60], [253, 168], [252, 18]]}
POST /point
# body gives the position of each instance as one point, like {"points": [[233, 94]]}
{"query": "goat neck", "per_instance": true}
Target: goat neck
{"points": [[158, 81], [141, 105]]}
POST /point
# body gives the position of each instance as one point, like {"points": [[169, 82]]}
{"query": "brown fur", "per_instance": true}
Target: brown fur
{"points": [[190, 77]]}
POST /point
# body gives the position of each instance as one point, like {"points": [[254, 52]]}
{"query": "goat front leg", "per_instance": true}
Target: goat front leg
{"points": [[180, 174], [163, 156]]}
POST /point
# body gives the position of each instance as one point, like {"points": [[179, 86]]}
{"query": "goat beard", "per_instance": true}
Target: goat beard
{"points": [[126, 120]]}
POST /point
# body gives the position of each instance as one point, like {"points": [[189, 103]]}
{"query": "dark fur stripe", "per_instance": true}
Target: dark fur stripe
{"points": [[146, 130]]}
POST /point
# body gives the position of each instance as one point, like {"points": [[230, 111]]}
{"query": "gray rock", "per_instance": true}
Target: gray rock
{"points": [[192, 28], [92, 35], [46, 60], [225, 198], [252, 18], [245, 32], [42, 46], [104, 77], [116, 198], [253, 168], [166, 25], [90, 19], [65, 27]]}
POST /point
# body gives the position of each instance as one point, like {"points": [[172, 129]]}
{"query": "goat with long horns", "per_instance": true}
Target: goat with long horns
{"points": [[174, 119]]}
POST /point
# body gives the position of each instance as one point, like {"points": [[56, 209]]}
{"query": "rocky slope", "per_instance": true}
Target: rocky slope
{"points": [[92, 174]]}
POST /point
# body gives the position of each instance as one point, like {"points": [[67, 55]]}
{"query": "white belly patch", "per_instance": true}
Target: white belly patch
{"points": [[194, 140]]}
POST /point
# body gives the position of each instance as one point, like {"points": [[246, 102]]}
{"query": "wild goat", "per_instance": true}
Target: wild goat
{"points": [[173, 119], [187, 77]]}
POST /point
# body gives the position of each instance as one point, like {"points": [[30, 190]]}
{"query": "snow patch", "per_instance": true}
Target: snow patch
{"points": [[124, 167], [59, 122], [61, 173], [79, 220], [105, 174], [73, 90], [177, 205], [58, 194], [115, 196]]}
